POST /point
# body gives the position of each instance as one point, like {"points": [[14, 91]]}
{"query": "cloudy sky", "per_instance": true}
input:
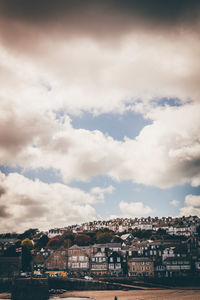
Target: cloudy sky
{"points": [[99, 110]]}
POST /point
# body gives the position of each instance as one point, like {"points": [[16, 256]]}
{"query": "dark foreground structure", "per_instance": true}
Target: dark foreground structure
{"points": [[30, 289]]}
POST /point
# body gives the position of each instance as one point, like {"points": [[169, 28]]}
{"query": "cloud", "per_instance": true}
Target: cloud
{"points": [[100, 192], [3, 212], [193, 200], [192, 206], [175, 203], [134, 209], [63, 54], [42, 205], [95, 18], [164, 154], [100, 57]]}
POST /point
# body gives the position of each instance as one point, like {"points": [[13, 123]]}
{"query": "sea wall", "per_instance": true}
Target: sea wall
{"points": [[30, 289], [80, 285], [5, 285]]}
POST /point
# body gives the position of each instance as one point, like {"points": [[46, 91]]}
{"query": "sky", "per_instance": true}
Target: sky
{"points": [[99, 111]]}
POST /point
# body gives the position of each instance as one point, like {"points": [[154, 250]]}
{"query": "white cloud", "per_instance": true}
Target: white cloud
{"points": [[165, 153], [100, 192], [85, 74], [192, 206], [193, 200], [175, 203], [28, 203], [89, 75], [134, 209]]}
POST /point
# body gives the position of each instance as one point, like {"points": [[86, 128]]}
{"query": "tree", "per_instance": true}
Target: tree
{"points": [[161, 231], [104, 237], [27, 243], [82, 239], [26, 259], [54, 243], [30, 233], [67, 239], [42, 242], [116, 239]]}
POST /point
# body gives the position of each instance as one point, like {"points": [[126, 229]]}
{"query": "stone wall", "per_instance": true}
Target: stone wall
{"points": [[10, 267], [81, 285], [30, 289]]}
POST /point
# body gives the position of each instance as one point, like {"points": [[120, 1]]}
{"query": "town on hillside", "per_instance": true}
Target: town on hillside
{"points": [[137, 248]]}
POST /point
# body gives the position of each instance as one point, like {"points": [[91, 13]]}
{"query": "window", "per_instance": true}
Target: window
{"points": [[75, 265], [83, 265], [81, 258], [118, 259], [111, 259], [111, 266], [74, 258], [118, 266], [93, 259]]}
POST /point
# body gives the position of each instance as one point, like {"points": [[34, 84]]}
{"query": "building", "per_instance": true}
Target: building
{"points": [[140, 267], [115, 264], [109, 247], [177, 266], [38, 264], [99, 263], [56, 263], [78, 260]]}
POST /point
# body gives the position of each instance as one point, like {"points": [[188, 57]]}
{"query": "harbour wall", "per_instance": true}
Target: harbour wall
{"points": [[30, 289]]}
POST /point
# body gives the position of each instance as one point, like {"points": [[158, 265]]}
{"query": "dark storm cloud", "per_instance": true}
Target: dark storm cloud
{"points": [[92, 18], [2, 191], [3, 212], [171, 11]]}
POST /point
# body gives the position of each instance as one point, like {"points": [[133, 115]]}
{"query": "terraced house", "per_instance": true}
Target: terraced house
{"points": [[78, 259], [56, 263], [99, 263], [115, 264], [140, 267]]}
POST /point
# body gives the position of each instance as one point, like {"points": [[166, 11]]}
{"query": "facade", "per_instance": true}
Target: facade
{"points": [[140, 267], [56, 263], [38, 264], [56, 231], [78, 259], [159, 269], [127, 238], [177, 266], [99, 263], [106, 247], [115, 264]]}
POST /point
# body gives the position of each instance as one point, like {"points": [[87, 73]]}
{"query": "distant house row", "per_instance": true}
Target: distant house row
{"points": [[182, 226], [112, 259]]}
